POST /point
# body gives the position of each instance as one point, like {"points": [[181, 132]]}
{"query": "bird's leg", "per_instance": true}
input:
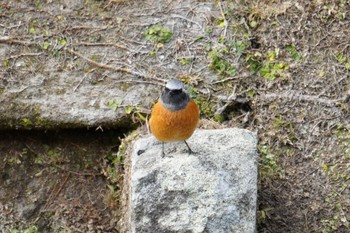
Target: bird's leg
{"points": [[189, 149], [163, 154]]}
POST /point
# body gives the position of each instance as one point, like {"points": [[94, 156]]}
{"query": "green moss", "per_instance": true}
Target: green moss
{"points": [[269, 162], [185, 60], [293, 52], [13, 161], [219, 118], [30, 229], [124, 86], [116, 161], [26, 123], [219, 62], [158, 34], [206, 107], [6, 63], [33, 26], [271, 71], [96, 58]]}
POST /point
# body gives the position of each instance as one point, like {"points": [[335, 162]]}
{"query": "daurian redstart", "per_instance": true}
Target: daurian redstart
{"points": [[175, 116]]}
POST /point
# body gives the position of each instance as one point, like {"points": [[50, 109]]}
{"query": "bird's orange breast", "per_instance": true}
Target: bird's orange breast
{"points": [[170, 126]]}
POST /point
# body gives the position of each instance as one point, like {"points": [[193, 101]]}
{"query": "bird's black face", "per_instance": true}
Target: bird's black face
{"points": [[174, 99]]}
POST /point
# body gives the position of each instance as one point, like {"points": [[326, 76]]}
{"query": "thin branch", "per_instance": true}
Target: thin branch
{"points": [[135, 41], [83, 78], [295, 96], [229, 79], [102, 44], [137, 81], [223, 16], [107, 67], [77, 173], [184, 18], [232, 97], [103, 66], [25, 55], [48, 201], [13, 26], [85, 27], [10, 40], [22, 89], [52, 197]]}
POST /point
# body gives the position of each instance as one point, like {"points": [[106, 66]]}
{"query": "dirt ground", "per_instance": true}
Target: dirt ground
{"points": [[58, 181], [280, 68]]}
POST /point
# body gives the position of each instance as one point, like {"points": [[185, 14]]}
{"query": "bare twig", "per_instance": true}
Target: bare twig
{"points": [[103, 66], [147, 24], [223, 16], [13, 26], [184, 18], [83, 78], [232, 97], [102, 44], [147, 126], [295, 96], [10, 40], [135, 41], [77, 173], [138, 81], [25, 55], [116, 69], [62, 185], [85, 27], [22, 89], [52, 197], [228, 79], [48, 201]]}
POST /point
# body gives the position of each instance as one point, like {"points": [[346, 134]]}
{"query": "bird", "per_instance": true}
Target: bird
{"points": [[175, 116]]}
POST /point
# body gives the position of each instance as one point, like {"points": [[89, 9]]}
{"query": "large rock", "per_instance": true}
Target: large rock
{"points": [[214, 190], [58, 105], [69, 71]]}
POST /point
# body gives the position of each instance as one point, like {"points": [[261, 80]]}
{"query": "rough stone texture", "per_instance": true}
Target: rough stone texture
{"points": [[49, 83], [54, 103], [214, 190]]}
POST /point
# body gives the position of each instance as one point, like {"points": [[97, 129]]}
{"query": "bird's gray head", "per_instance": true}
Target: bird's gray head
{"points": [[174, 96]]}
